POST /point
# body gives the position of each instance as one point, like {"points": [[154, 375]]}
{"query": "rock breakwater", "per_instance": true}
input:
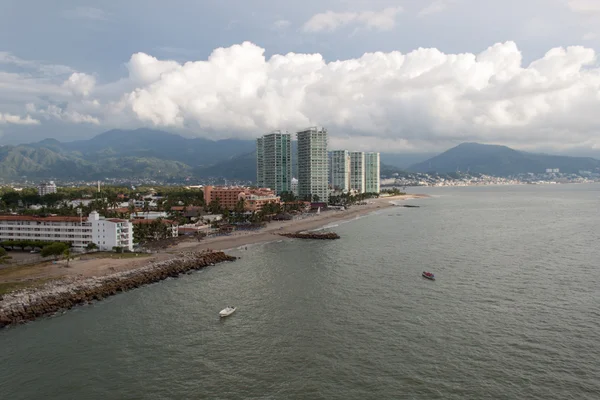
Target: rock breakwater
{"points": [[29, 304], [312, 235]]}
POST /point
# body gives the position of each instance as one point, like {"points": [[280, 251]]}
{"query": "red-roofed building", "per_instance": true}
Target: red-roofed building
{"points": [[79, 231]]}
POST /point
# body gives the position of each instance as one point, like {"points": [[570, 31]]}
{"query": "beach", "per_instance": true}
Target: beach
{"points": [[314, 221]]}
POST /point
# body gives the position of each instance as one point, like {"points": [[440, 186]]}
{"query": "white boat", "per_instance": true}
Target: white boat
{"points": [[227, 311]]}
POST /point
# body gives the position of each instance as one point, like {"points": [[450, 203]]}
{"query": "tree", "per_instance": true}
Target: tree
{"points": [[54, 249], [11, 199], [146, 207], [91, 246], [214, 207], [67, 255]]}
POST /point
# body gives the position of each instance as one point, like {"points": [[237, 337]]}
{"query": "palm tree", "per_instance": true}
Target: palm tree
{"points": [[146, 207], [67, 255]]}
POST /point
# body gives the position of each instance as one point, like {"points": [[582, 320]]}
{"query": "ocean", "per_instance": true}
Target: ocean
{"points": [[514, 313]]}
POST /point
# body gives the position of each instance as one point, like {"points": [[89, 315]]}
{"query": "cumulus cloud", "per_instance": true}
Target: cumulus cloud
{"points": [[395, 100], [56, 112], [80, 84], [17, 120], [330, 21], [422, 95]]}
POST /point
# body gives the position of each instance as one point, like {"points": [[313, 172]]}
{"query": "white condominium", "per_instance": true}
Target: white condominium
{"points": [[372, 173], [274, 161], [105, 233], [357, 171], [313, 164], [340, 170]]}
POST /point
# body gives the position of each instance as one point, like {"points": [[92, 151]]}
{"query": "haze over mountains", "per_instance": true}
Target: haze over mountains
{"points": [[146, 153]]}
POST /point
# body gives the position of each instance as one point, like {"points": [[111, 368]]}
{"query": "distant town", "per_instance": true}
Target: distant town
{"points": [[551, 176]]}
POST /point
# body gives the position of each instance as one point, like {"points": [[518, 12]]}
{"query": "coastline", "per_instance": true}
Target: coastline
{"points": [[271, 231], [91, 278]]}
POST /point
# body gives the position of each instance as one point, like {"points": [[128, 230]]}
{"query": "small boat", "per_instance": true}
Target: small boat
{"points": [[227, 311], [428, 275]]}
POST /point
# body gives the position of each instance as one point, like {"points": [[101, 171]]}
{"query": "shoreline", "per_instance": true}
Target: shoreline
{"points": [[314, 222], [89, 278]]}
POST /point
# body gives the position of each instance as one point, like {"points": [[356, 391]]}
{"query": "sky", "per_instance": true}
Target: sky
{"points": [[380, 75]]}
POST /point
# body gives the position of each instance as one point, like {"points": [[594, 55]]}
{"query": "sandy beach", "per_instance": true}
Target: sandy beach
{"points": [[314, 221], [90, 266]]}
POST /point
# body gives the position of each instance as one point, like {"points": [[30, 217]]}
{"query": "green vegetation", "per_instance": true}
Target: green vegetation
{"points": [[347, 199], [154, 230], [142, 153], [23, 244], [105, 202], [55, 249], [393, 192]]}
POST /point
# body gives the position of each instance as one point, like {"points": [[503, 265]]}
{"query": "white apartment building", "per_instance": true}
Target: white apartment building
{"points": [[340, 170], [313, 175], [357, 171], [372, 173], [75, 230], [295, 186], [45, 188], [109, 233]]}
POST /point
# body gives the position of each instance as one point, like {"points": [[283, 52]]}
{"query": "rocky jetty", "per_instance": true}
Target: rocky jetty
{"points": [[27, 305], [312, 235]]}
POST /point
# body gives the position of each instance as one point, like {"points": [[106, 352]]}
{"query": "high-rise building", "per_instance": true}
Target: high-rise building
{"points": [[313, 164], [45, 188], [357, 171], [260, 168], [274, 162], [339, 170], [372, 173]]}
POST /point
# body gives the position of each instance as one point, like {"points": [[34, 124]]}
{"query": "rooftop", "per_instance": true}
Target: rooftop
{"points": [[41, 219]]}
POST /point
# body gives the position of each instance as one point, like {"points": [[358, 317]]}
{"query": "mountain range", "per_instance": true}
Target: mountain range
{"points": [[501, 161], [147, 153]]}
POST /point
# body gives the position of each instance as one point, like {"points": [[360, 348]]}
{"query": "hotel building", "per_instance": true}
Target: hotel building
{"points": [[361, 171], [229, 196], [372, 173], [105, 233], [274, 162], [339, 170], [313, 164]]}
